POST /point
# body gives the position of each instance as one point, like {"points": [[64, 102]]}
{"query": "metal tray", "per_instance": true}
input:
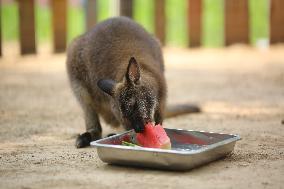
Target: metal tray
{"points": [[189, 149]]}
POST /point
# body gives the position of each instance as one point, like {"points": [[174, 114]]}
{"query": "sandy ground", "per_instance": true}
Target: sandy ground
{"points": [[240, 90]]}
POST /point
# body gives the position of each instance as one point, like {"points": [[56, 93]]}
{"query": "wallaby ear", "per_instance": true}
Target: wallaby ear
{"points": [[133, 71], [107, 85]]}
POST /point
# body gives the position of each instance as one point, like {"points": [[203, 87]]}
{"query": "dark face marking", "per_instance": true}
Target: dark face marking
{"points": [[137, 106], [132, 102]]}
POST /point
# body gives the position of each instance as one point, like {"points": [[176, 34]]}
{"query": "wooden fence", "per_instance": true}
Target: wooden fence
{"points": [[236, 22]]}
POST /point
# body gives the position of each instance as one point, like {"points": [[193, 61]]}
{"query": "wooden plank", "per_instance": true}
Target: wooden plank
{"points": [[59, 19], [194, 22], [126, 8], [277, 21], [91, 13], [160, 20], [27, 26], [236, 22]]}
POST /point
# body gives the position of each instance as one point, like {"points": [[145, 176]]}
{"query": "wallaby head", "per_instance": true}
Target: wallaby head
{"points": [[133, 101]]}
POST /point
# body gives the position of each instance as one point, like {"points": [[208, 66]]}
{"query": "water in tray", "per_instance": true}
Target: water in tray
{"points": [[186, 147]]}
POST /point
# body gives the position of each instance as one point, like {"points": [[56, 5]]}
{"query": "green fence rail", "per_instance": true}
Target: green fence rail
{"points": [[186, 23]]}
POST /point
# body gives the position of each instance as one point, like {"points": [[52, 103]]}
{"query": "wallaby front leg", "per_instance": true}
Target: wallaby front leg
{"points": [[92, 122], [93, 128]]}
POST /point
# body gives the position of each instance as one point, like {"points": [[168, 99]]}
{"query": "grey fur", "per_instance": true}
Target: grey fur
{"points": [[131, 91]]}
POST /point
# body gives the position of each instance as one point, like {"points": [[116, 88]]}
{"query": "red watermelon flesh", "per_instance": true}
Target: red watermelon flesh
{"points": [[154, 136]]}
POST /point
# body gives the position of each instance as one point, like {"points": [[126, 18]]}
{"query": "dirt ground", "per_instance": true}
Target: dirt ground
{"points": [[240, 90]]}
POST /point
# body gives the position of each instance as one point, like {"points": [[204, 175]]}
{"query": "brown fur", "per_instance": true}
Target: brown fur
{"points": [[134, 89]]}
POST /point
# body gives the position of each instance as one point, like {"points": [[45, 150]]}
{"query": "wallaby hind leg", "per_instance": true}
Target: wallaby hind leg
{"points": [[92, 122]]}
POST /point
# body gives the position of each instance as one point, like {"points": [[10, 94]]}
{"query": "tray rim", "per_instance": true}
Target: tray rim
{"points": [[235, 138]]}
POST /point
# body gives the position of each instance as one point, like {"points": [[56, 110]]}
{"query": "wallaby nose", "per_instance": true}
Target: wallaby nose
{"points": [[138, 127]]}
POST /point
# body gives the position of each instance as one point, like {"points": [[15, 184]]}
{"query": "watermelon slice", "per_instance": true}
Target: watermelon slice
{"points": [[154, 136]]}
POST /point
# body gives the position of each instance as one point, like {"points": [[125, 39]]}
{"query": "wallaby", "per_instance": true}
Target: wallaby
{"points": [[116, 71]]}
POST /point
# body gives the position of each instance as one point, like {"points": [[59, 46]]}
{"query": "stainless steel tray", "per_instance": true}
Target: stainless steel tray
{"points": [[189, 149]]}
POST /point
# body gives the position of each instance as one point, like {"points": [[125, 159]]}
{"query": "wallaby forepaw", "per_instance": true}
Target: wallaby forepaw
{"points": [[83, 140]]}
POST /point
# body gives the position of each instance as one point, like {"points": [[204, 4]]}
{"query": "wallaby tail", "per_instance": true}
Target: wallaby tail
{"points": [[176, 110]]}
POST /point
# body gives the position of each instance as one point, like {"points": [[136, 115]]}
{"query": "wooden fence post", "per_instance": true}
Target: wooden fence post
{"points": [[236, 22], [194, 22], [91, 13], [160, 20], [126, 8], [27, 26], [276, 21], [59, 19]]}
